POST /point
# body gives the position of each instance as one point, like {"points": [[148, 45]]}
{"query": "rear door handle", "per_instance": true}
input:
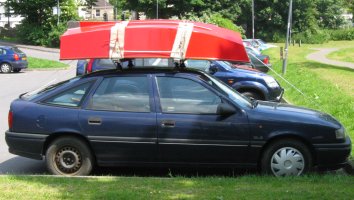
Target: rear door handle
{"points": [[94, 121], [168, 123]]}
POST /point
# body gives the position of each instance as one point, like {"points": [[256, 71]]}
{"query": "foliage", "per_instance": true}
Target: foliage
{"points": [[342, 34], [216, 188], [39, 26], [37, 63], [216, 19], [315, 37], [329, 13]]}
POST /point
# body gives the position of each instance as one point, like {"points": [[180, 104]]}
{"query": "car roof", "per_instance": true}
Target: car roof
{"points": [[149, 70]]}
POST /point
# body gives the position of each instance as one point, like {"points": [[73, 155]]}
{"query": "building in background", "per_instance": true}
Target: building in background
{"points": [[11, 19], [96, 12]]}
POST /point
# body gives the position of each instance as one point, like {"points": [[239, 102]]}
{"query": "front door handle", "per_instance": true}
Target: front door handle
{"points": [[94, 121], [168, 123]]}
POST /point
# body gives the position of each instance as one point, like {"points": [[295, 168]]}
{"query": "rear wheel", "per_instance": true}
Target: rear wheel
{"points": [[253, 95], [5, 68], [69, 156], [287, 158]]}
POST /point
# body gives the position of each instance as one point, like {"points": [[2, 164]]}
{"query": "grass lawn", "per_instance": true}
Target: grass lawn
{"points": [[245, 187], [37, 63], [327, 88], [346, 55]]}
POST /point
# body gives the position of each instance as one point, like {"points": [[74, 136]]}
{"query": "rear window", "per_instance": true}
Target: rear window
{"points": [[44, 89], [16, 50]]}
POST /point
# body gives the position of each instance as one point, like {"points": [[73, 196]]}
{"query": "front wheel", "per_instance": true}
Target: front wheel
{"points": [[287, 158], [69, 156], [253, 95]]}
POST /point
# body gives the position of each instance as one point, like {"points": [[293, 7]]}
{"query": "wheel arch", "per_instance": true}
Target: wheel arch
{"points": [[57, 135], [252, 89], [280, 137]]}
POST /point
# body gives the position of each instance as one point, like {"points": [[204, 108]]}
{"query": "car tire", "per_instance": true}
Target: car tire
{"points": [[69, 156], [253, 95], [17, 70], [286, 158], [5, 68]]}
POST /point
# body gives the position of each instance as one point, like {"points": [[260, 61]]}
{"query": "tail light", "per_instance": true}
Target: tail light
{"points": [[16, 57], [266, 60], [10, 119]]}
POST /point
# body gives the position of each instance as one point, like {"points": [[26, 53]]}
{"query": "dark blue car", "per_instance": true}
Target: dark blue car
{"points": [[12, 59], [250, 83], [169, 117]]}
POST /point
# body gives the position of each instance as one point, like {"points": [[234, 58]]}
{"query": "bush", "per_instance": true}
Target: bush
{"points": [[316, 37], [342, 34]]}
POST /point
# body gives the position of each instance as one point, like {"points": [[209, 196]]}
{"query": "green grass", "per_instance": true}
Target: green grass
{"points": [[327, 88], [346, 55], [37, 63], [245, 187]]}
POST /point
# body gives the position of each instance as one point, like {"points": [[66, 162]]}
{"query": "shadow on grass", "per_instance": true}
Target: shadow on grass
{"points": [[316, 65]]}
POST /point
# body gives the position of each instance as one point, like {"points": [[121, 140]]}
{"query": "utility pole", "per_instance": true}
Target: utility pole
{"points": [[252, 19], [287, 37], [157, 9], [58, 12]]}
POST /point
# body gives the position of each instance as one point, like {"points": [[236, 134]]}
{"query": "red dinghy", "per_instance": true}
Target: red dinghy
{"points": [[152, 39]]}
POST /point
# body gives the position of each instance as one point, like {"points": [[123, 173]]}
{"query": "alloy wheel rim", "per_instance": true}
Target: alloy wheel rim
{"points": [[287, 161], [5, 67], [68, 160]]}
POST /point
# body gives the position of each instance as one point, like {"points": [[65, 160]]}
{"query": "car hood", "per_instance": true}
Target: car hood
{"points": [[295, 113]]}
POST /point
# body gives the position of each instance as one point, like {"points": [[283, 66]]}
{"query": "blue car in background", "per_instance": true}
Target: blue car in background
{"points": [[12, 59], [252, 84]]}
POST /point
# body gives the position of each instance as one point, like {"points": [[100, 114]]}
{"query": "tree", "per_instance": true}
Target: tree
{"points": [[329, 13], [39, 26]]}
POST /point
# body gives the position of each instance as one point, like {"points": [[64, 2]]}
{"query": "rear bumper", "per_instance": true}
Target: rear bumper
{"points": [[26, 144], [21, 64], [333, 156]]}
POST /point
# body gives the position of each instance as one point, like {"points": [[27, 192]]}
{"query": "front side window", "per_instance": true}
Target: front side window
{"points": [[180, 95], [126, 94], [72, 97]]}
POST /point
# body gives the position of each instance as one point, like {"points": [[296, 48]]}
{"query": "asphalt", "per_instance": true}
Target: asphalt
{"points": [[320, 56]]}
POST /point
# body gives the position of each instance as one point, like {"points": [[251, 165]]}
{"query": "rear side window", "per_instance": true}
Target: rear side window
{"points": [[71, 97], [2, 52], [125, 94]]}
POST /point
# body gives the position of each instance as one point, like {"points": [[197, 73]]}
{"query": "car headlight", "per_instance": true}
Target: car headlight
{"points": [[340, 133], [271, 82]]}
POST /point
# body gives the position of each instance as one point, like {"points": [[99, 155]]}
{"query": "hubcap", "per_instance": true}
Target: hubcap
{"points": [[5, 68], [68, 160], [287, 161]]}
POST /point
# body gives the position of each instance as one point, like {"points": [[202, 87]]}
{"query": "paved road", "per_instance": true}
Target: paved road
{"points": [[11, 86], [320, 56]]}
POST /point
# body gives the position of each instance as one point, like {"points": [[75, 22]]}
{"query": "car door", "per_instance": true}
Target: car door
{"points": [[119, 122], [189, 128]]}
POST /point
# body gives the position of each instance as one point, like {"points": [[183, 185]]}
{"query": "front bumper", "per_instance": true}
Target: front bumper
{"points": [[26, 144], [332, 156]]}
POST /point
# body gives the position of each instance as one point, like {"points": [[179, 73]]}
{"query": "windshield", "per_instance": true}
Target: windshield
{"points": [[225, 65], [228, 91], [46, 88]]}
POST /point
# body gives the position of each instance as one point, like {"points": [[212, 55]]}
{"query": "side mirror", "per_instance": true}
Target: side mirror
{"points": [[225, 109], [213, 69]]}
